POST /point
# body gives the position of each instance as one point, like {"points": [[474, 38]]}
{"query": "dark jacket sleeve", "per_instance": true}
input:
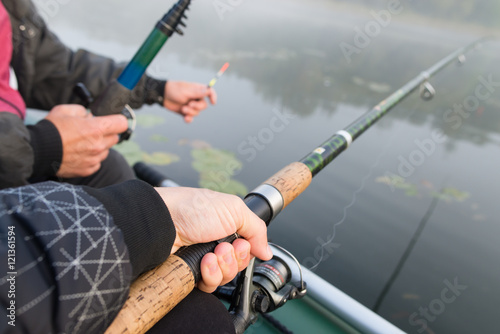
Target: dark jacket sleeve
{"points": [[47, 70], [16, 154], [68, 260], [27, 152]]}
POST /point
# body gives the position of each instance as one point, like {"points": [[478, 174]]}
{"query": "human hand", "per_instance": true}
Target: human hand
{"points": [[86, 139], [202, 215], [187, 98]]}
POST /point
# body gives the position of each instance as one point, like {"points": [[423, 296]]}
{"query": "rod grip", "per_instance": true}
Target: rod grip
{"points": [[112, 100], [291, 181], [192, 255], [153, 295], [158, 291]]}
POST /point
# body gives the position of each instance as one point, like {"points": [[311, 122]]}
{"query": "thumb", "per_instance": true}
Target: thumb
{"points": [[112, 124], [254, 230]]}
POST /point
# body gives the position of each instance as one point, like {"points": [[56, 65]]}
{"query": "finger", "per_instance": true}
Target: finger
{"points": [[102, 156], [189, 114], [242, 252], [212, 96], [198, 105], [227, 261], [112, 124], [254, 230], [95, 168], [87, 171], [111, 140], [188, 111], [92, 164], [198, 91], [210, 272]]}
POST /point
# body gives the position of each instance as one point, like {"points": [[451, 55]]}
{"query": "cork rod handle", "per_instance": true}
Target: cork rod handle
{"points": [[152, 296], [291, 181], [158, 291]]}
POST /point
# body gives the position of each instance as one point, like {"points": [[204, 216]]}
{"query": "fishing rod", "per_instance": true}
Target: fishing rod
{"points": [[156, 292], [116, 96]]}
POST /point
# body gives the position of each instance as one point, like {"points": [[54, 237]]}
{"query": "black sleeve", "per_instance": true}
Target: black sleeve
{"points": [[27, 152], [66, 264], [47, 146], [16, 154], [146, 223]]}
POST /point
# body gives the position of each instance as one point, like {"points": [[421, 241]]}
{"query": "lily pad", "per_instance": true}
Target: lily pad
{"points": [[183, 142], [397, 182], [149, 121], [411, 296], [212, 159], [159, 138], [451, 194], [216, 168], [448, 194], [195, 143], [160, 158], [133, 154], [131, 151], [200, 144], [228, 186], [456, 194]]}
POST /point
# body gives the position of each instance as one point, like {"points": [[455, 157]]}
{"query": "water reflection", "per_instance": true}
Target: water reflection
{"points": [[285, 56], [295, 60]]}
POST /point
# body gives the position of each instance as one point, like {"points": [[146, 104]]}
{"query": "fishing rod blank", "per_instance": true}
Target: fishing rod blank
{"points": [[118, 92], [281, 189], [152, 45], [156, 292]]}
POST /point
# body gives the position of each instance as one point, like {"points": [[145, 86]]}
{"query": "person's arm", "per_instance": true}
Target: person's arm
{"points": [[67, 143], [64, 68], [74, 255], [27, 152], [77, 249], [48, 70]]}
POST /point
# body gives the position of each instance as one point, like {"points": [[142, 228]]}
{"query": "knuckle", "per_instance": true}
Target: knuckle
{"points": [[236, 201], [95, 150]]}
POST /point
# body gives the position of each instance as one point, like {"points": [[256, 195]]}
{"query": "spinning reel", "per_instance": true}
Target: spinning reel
{"points": [[262, 288]]}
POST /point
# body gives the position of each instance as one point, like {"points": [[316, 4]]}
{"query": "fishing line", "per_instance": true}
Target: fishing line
{"points": [[406, 254], [427, 92], [357, 191], [182, 270]]}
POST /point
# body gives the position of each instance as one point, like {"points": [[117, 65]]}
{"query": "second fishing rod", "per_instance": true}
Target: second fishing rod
{"points": [[155, 293], [116, 96]]}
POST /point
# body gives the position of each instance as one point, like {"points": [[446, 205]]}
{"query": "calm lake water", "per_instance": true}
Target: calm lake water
{"points": [[406, 221]]}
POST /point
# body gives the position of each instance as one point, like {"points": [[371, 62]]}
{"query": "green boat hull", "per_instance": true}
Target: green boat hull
{"points": [[304, 316]]}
